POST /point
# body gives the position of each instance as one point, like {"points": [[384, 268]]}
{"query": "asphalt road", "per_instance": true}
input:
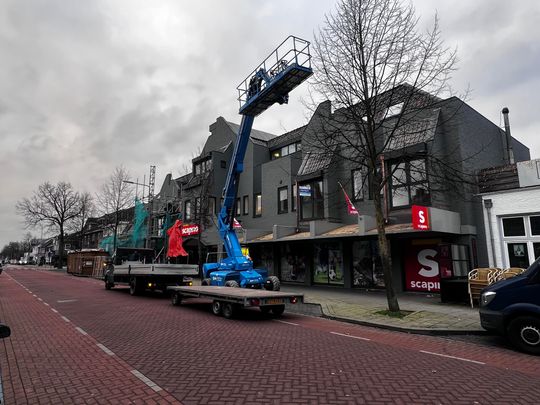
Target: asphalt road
{"points": [[74, 342]]}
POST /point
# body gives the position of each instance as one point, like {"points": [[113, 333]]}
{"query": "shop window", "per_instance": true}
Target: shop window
{"points": [[513, 226], [460, 260], [311, 200], [367, 265], [283, 200], [257, 205], [293, 197], [294, 263], [409, 184], [535, 225], [518, 255], [328, 264], [187, 211], [245, 205]]}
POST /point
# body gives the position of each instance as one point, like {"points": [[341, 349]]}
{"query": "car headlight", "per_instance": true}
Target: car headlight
{"points": [[487, 297]]}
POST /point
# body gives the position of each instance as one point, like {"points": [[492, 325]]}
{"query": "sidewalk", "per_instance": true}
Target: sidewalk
{"points": [[427, 314]]}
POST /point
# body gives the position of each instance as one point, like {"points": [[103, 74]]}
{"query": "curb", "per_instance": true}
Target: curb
{"points": [[316, 310]]}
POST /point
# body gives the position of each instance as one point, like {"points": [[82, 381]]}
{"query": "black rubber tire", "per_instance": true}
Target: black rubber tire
{"points": [[176, 299], [278, 310], [524, 334], [266, 309], [217, 307], [232, 283], [206, 281], [108, 285], [228, 310], [272, 283], [133, 290]]}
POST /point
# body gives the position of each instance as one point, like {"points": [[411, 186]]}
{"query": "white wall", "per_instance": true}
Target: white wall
{"points": [[523, 201]]}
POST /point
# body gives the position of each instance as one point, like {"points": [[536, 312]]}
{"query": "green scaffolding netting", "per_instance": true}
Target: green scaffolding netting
{"points": [[134, 238]]}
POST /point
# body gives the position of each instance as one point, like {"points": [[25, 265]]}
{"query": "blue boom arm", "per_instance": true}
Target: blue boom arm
{"points": [[286, 67]]}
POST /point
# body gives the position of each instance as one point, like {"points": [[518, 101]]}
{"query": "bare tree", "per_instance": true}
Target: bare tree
{"points": [[383, 76], [54, 206], [115, 195], [86, 210]]}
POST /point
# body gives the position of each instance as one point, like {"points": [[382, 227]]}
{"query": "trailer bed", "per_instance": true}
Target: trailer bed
{"points": [[238, 297], [157, 269]]}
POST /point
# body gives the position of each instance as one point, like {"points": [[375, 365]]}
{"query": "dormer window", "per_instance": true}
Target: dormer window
{"points": [[286, 150]]}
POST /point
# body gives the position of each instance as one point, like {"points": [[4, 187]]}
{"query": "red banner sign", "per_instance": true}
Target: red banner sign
{"points": [[420, 217], [422, 269], [190, 229]]}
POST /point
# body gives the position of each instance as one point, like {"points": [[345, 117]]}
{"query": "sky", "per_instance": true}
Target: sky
{"points": [[88, 85]]}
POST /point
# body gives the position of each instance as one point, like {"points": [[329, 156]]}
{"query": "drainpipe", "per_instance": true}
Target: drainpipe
{"points": [[488, 204], [509, 151]]}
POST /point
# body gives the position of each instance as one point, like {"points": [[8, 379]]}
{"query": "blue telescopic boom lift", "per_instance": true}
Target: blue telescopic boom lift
{"points": [[284, 69]]}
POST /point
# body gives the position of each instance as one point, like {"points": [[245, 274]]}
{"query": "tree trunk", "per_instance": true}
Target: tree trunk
{"points": [[60, 248], [384, 253]]}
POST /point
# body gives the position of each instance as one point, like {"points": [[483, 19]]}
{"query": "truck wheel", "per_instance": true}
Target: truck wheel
{"points": [[134, 288], [108, 285], [278, 310], [524, 333], [176, 299], [216, 307], [205, 281], [272, 283], [228, 310], [232, 283]]}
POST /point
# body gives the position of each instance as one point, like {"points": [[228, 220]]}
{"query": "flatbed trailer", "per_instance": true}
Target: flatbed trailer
{"points": [[227, 300], [140, 276]]}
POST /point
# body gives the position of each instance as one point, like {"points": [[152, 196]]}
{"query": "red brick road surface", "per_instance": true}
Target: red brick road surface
{"points": [[197, 358]]}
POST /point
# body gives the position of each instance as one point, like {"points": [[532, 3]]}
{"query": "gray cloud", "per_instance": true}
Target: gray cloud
{"points": [[87, 85]]}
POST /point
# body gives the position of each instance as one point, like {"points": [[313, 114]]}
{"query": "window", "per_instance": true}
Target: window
{"points": [[328, 263], [311, 200], [211, 205], [359, 180], [238, 208], [535, 225], [293, 199], [245, 205], [286, 150], [257, 205], [283, 200], [197, 207], [513, 226], [223, 164], [202, 167], [409, 183], [187, 211]]}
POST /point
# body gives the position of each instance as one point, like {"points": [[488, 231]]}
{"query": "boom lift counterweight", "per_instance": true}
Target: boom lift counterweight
{"points": [[286, 67]]}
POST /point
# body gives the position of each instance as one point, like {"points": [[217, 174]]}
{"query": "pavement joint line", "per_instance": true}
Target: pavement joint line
{"points": [[146, 380], [81, 330], [105, 349], [65, 319], [286, 322], [350, 336], [54, 310], [452, 357]]}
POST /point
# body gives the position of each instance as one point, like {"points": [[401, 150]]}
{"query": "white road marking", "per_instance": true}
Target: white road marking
{"points": [[146, 380], [350, 336], [105, 349], [288, 323], [452, 357], [54, 310], [63, 301], [65, 319], [45, 303], [81, 330], [39, 299]]}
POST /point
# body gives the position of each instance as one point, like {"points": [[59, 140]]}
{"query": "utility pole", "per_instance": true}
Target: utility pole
{"points": [[151, 185]]}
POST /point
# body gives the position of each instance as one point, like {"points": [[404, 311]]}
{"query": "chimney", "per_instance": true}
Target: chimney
{"points": [[509, 151]]}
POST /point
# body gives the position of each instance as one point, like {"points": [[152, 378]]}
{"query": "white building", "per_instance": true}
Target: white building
{"points": [[511, 209]]}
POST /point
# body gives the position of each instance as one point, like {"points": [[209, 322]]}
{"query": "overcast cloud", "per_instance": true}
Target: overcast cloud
{"points": [[88, 85]]}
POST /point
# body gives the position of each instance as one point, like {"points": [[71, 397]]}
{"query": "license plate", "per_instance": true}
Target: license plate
{"points": [[274, 301]]}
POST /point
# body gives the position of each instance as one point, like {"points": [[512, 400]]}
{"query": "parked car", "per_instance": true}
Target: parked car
{"points": [[511, 308], [4, 331], [1, 268]]}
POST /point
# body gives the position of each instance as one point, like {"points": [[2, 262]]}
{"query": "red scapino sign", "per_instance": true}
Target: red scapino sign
{"points": [[420, 218], [422, 268], [190, 229]]}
